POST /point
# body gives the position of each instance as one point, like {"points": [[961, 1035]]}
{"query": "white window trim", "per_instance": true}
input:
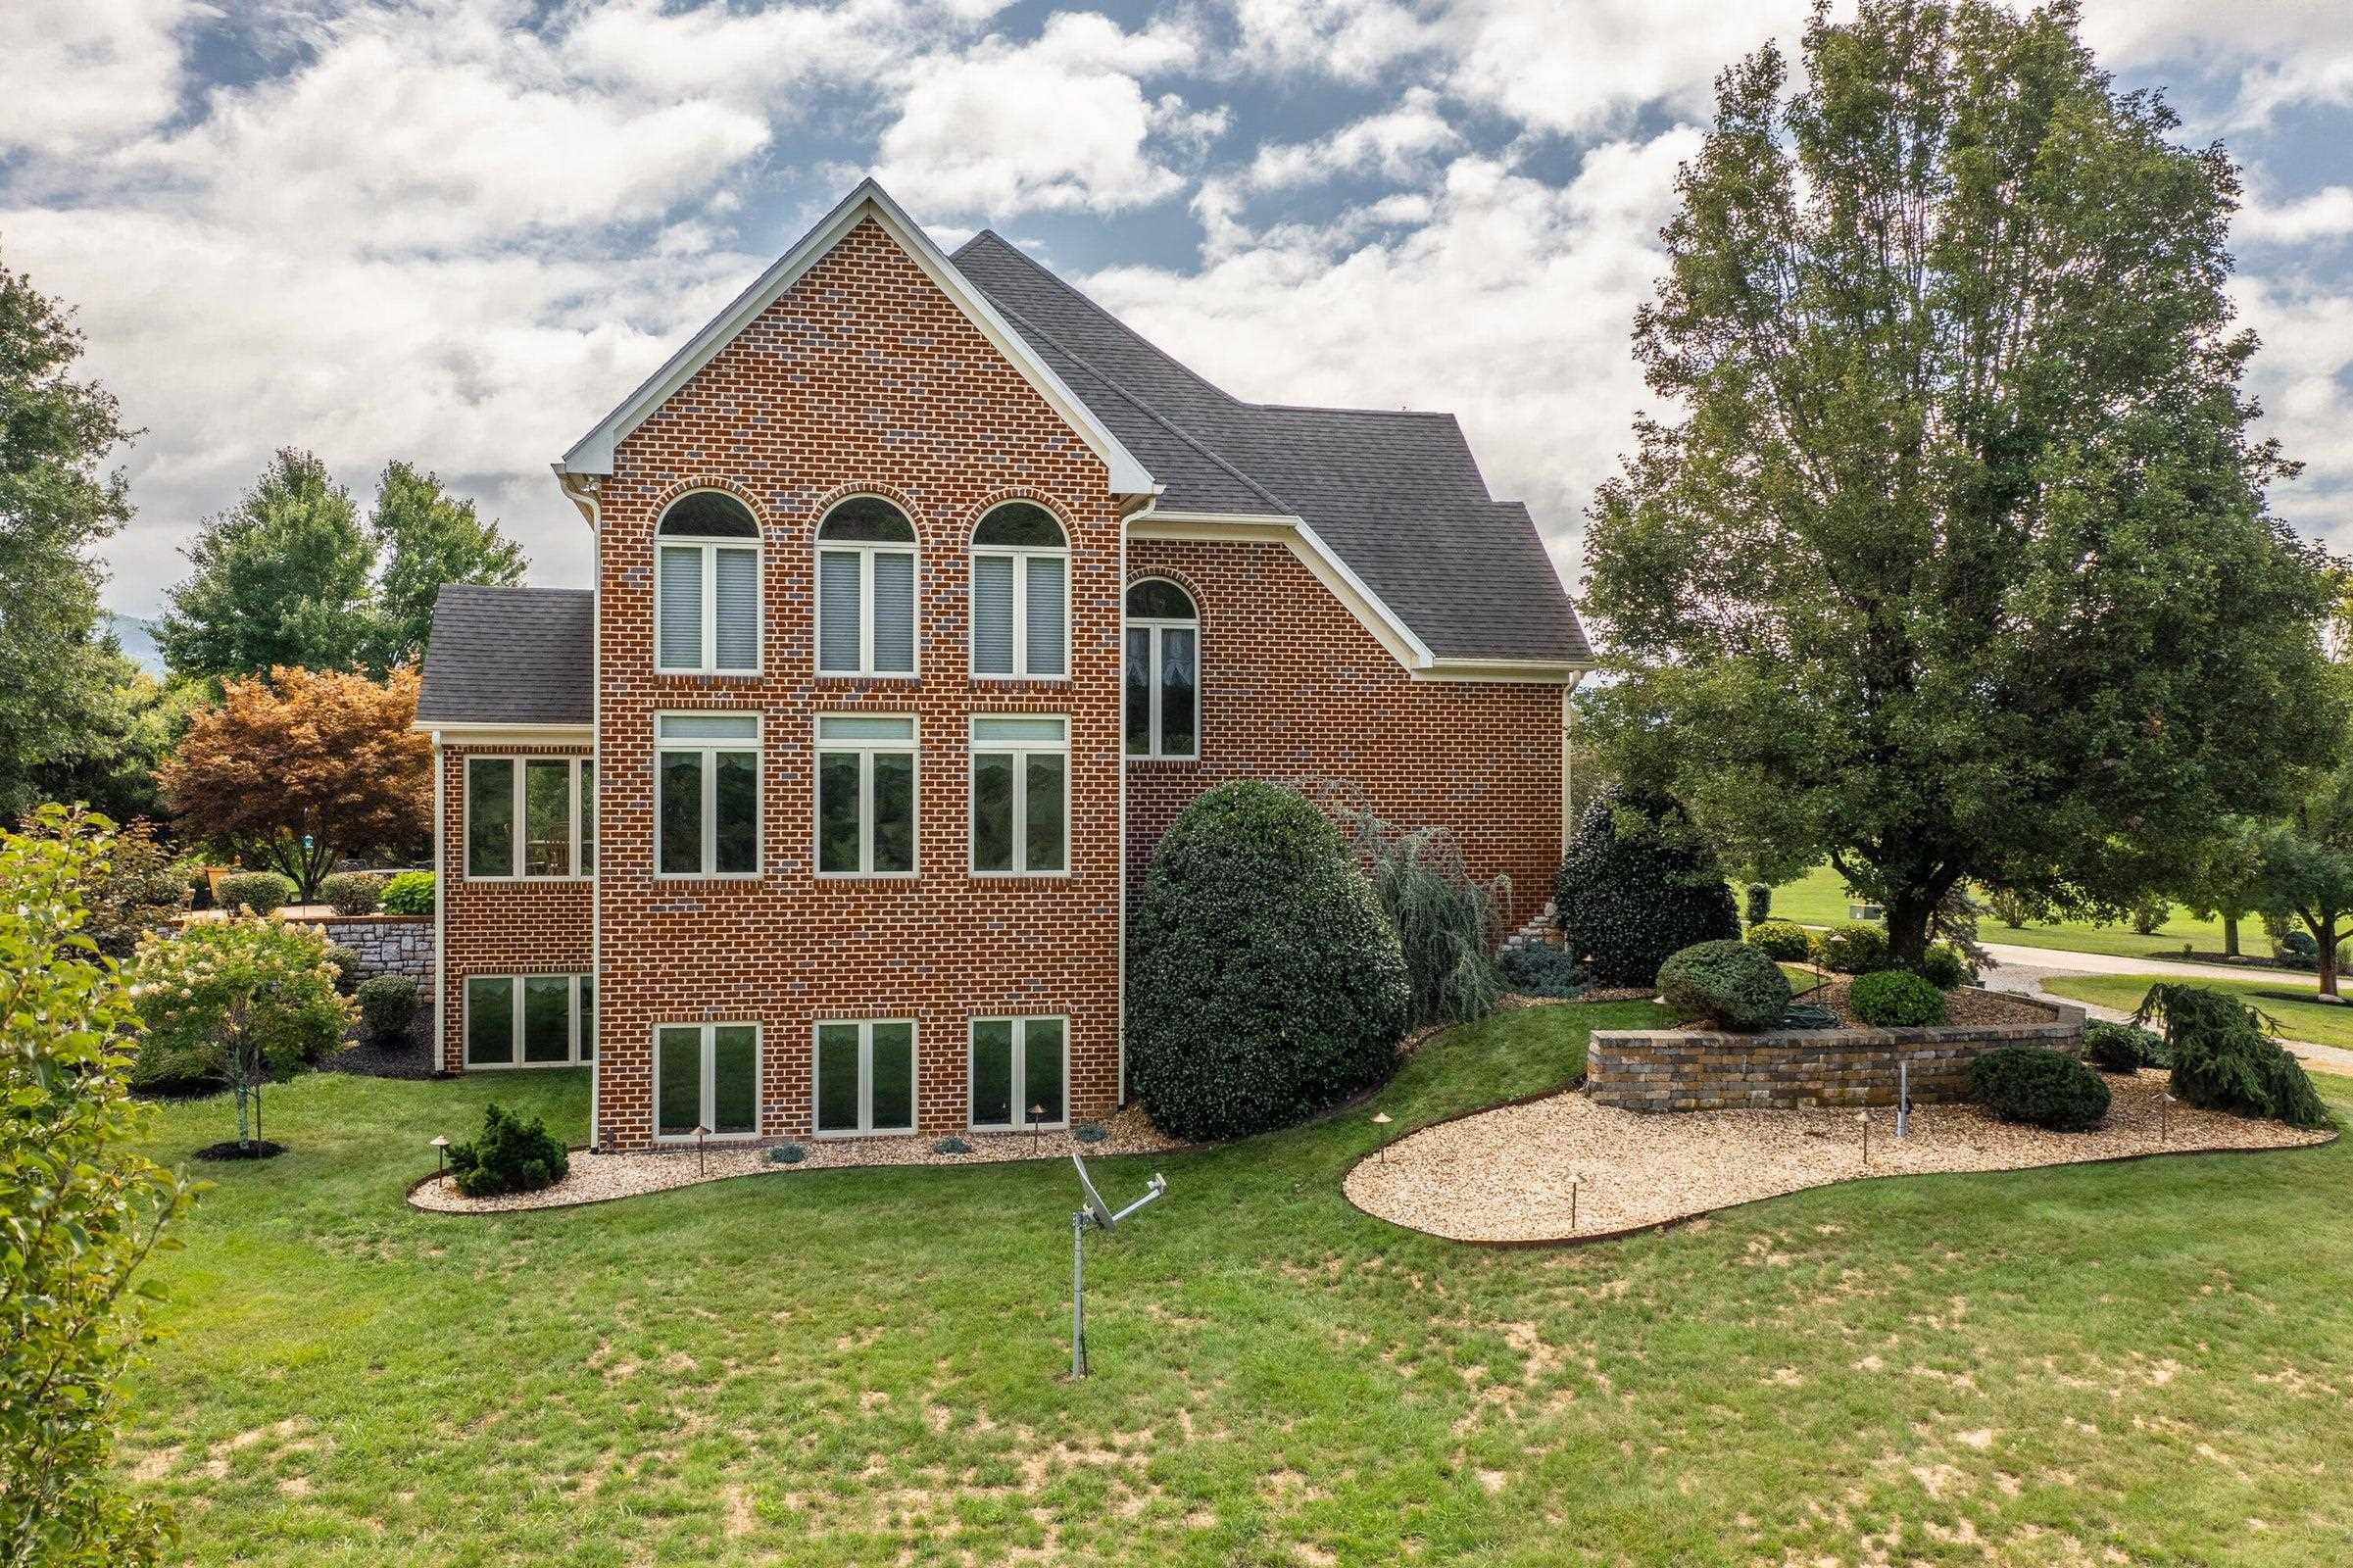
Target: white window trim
{"points": [[865, 750], [515, 831], [1020, 556], [866, 1078], [709, 857], [1156, 626], [867, 550], [1020, 1062], [705, 1113], [710, 548], [1020, 751], [515, 1026]]}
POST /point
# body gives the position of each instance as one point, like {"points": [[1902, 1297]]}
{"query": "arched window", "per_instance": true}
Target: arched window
{"points": [[865, 590], [1163, 670], [1021, 594], [707, 592]]}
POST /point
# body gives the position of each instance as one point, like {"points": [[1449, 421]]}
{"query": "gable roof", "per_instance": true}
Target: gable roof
{"points": [[512, 656], [1396, 496]]}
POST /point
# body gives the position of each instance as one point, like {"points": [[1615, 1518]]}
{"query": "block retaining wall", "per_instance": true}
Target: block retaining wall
{"points": [[1685, 1070], [387, 944]]}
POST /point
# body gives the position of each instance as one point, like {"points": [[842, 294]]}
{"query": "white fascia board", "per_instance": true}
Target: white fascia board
{"points": [[593, 453], [460, 735], [1525, 671]]}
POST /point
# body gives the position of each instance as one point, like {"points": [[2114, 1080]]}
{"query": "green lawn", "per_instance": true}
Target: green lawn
{"points": [[2318, 1022], [1819, 898], [2129, 1362]]}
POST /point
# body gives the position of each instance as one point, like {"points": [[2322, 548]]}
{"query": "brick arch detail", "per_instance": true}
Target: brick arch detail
{"points": [[1192, 591], [1036, 497], [840, 493], [669, 494]]}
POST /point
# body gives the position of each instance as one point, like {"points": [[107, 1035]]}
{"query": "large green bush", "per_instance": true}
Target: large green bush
{"points": [[1264, 982], [2040, 1088], [387, 1007], [409, 893], [259, 891], [1945, 966], [1895, 998], [512, 1155], [354, 892], [2224, 1059], [1636, 888], [1784, 941], [2123, 1047], [1852, 947], [1729, 983]]}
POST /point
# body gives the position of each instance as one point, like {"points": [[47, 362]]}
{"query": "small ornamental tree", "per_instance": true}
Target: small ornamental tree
{"points": [[244, 1002], [80, 1212], [1638, 887], [1264, 982], [1447, 922]]}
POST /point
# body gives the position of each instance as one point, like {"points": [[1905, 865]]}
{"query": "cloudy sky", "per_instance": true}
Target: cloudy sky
{"points": [[456, 232]]}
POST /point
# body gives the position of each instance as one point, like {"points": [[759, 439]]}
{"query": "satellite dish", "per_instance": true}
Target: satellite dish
{"points": [[1096, 1214], [1097, 1209]]}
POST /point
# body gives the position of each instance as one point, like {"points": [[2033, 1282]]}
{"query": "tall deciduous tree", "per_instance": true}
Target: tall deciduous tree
{"points": [[304, 767], [281, 579], [428, 537], [1958, 565]]}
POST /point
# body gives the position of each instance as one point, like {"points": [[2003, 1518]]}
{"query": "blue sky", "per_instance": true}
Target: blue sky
{"points": [[456, 232]]}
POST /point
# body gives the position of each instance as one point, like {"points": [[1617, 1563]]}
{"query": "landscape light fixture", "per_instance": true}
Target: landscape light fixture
{"points": [[441, 1149], [2165, 1117], [1573, 1181], [700, 1132], [1037, 1124], [1099, 1213], [1381, 1119], [1864, 1116], [1903, 1098]]}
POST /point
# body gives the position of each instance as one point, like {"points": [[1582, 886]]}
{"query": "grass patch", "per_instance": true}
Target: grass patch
{"points": [[1819, 898], [843, 1367], [2301, 1016]]}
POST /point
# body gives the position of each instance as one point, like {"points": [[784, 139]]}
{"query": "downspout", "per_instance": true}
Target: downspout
{"points": [[1568, 760], [581, 491], [1119, 751], [441, 959]]}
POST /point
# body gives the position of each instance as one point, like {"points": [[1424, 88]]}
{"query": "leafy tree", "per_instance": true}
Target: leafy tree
{"points": [[59, 673], [80, 1210], [1959, 565], [2218, 881], [305, 767], [246, 1001], [281, 579], [426, 538], [129, 885], [2304, 860], [129, 728]]}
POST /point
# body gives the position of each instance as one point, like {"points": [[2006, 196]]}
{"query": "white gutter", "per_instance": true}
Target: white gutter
{"points": [[582, 492], [441, 1018]]}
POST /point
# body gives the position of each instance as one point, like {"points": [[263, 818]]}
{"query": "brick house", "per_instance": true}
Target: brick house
{"points": [[927, 594]]}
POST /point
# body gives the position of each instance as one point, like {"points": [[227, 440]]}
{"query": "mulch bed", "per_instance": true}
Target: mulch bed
{"points": [[410, 1058], [1965, 1004], [258, 1149]]}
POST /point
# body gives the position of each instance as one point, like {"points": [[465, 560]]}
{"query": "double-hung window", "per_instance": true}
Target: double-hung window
{"points": [[530, 1020], [865, 590], [531, 817], [707, 794], [706, 587], [1020, 1069], [1020, 795], [1163, 672], [707, 1076], [864, 1077], [866, 795], [1020, 594]]}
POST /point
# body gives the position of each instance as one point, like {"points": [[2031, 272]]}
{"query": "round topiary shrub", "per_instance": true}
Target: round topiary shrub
{"points": [[1263, 983], [354, 892], [1636, 888], [1895, 998], [1783, 941], [1853, 948], [258, 890], [1945, 966], [409, 893], [512, 1155], [1731, 983], [2123, 1047], [387, 1006], [2040, 1088]]}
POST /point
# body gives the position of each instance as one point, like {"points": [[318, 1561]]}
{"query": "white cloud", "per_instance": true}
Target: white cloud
{"points": [[1352, 40], [2304, 376], [1399, 143], [83, 73], [2324, 215], [2267, 56]]}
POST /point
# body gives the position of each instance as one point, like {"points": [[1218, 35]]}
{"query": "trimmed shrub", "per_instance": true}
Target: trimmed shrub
{"points": [[1264, 982], [345, 961], [1637, 889], [2123, 1046], [2040, 1088], [1760, 903], [2224, 1059], [512, 1155], [1541, 969], [258, 890], [952, 1145], [1729, 983], [387, 1006], [354, 892], [1853, 948], [1945, 966], [2299, 944], [1897, 998], [787, 1153], [409, 893], [1783, 941]]}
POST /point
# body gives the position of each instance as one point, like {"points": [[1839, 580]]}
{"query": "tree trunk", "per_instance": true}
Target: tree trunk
{"points": [[2325, 934], [244, 1137], [1909, 912], [2230, 936]]}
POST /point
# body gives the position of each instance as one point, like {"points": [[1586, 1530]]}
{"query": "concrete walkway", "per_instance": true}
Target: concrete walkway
{"points": [[2024, 970]]}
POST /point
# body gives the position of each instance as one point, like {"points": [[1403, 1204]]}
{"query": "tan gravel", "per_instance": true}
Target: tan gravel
{"points": [[595, 1177], [1505, 1175]]}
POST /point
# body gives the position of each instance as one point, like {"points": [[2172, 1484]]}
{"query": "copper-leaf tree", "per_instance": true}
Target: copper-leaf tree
{"points": [[305, 767]]}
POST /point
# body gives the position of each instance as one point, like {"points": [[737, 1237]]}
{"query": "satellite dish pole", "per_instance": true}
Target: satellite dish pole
{"points": [[1094, 1211]]}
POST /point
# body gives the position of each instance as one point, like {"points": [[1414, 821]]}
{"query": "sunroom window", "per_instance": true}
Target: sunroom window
{"points": [[706, 587], [707, 794], [1163, 672], [529, 817], [1020, 795], [865, 590], [1021, 594], [864, 1077], [1020, 1070], [707, 1076], [866, 795]]}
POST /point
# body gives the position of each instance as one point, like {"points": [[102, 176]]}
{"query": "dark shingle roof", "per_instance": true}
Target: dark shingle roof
{"points": [[509, 656], [1396, 494]]}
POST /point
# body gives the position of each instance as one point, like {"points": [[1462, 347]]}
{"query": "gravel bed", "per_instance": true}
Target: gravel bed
{"points": [[1505, 1175], [597, 1177]]}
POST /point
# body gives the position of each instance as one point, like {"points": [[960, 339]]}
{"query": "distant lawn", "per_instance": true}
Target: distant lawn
{"points": [[2318, 1022], [1819, 898]]}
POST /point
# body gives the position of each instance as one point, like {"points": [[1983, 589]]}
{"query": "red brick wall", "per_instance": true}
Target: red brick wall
{"points": [[526, 927], [1293, 689], [863, 377]]}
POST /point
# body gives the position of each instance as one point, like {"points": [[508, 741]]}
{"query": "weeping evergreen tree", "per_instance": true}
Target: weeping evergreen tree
{"points": [[1447, 922]]}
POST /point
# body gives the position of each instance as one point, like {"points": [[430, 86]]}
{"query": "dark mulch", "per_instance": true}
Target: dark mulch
{"points": [[258, 1149], [409, 1057]]}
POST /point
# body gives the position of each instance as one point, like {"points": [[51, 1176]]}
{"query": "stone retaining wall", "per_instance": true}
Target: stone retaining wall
{"points": [[1682, 1070], [387, 944]]}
